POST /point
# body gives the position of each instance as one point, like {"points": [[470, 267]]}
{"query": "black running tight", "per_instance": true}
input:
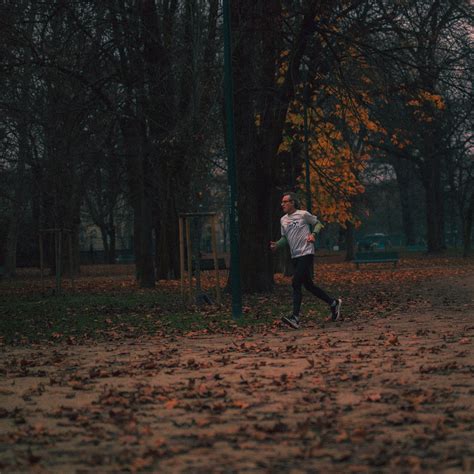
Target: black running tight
{"points": [[302, 277]]}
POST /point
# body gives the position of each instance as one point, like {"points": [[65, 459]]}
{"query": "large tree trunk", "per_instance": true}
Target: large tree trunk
{"points": [[467, 222], [167, 242], [135, 128], [11, 244], [107, 232], [62, 223], [350, 241], [105, 243], [433, 154], [167, 106], [24, 152], [113, 242], [259, 98], [255, 157], [144, 245], [141, 200], [434, 206], [18, 203], [71, 245], [255, 223], [405, 179]]}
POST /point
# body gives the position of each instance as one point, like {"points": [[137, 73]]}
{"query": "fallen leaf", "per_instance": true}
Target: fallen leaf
{"points": [[170, 404], [242, 405], [160, 442], [342, 436], [140, 463], [392, 339], [373, 397]]}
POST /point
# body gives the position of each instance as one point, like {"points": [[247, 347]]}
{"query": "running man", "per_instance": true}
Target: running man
{"points": [[296, 231]]}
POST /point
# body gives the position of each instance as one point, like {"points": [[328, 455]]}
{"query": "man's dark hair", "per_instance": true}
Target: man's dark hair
{"points": [[294, 197]]}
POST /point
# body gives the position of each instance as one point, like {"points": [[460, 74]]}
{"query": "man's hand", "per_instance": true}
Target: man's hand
{"points": [[273, 246], [311, 238], [318, 227]]}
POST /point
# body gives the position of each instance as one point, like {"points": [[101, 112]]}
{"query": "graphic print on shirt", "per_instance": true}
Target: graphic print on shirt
{"points": [[293, 224]]}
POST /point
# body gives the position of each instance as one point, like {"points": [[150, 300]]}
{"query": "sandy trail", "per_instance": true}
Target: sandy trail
{"points": [[392, 394]]}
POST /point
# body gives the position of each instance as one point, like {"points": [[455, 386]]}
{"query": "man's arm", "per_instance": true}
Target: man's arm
{"points": [[279, 243], [282, 242], [318, 227], [315, 226]]}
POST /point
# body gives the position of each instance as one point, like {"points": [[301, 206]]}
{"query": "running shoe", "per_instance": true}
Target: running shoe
{"points": [[336, 310], [292, 321]]}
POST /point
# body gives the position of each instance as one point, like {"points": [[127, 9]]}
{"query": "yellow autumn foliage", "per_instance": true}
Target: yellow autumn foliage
{"points": [[424, 105], [337, 154]]}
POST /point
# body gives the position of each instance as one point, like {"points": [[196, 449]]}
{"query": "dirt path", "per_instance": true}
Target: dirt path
{"points": [[392, 394]]}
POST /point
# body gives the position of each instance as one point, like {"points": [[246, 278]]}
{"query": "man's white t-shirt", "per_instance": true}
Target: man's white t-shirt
{"points": [[296, 227]]}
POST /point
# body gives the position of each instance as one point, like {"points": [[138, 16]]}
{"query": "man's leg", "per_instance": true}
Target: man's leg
{"points": [[334, 304], [310, 286], [301, 269]]}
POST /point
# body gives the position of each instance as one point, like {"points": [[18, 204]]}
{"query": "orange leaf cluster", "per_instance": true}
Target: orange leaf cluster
{"points": [[337, 154]]}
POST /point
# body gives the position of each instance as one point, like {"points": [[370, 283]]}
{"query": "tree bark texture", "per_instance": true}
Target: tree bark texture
{"points": [[405, 181], [261, 105]]}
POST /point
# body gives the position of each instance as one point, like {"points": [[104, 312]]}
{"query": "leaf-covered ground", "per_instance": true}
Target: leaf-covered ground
{"points": [[389, 389]]}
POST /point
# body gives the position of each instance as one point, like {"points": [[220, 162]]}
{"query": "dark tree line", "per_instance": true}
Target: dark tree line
{"points": [[114, 103]]}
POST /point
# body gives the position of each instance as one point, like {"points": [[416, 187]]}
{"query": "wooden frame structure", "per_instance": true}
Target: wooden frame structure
{"points": [[185, 241], [58, 237]]}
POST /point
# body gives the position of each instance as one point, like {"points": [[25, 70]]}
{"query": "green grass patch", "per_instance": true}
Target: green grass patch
{"points": [[31, 318], [35, 318]]}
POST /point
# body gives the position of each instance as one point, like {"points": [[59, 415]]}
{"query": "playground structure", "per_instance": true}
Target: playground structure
{"points": [[185, 250], [58, 238]]}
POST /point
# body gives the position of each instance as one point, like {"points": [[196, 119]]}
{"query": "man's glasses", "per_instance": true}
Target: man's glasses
{"points": [[285, 202]]}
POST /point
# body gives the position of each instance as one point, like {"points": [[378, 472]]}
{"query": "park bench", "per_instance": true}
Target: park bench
{"points": [[416, 248], [125, 258], [376, 257]]}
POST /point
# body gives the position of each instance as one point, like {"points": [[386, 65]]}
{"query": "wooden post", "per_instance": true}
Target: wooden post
{"points": [[41, 261], [181, 254], [190, 258], [216, 262]]}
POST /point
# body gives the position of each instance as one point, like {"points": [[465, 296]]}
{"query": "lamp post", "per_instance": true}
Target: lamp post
{"points": [[306, 142], [232, 175], [306, 137]]}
